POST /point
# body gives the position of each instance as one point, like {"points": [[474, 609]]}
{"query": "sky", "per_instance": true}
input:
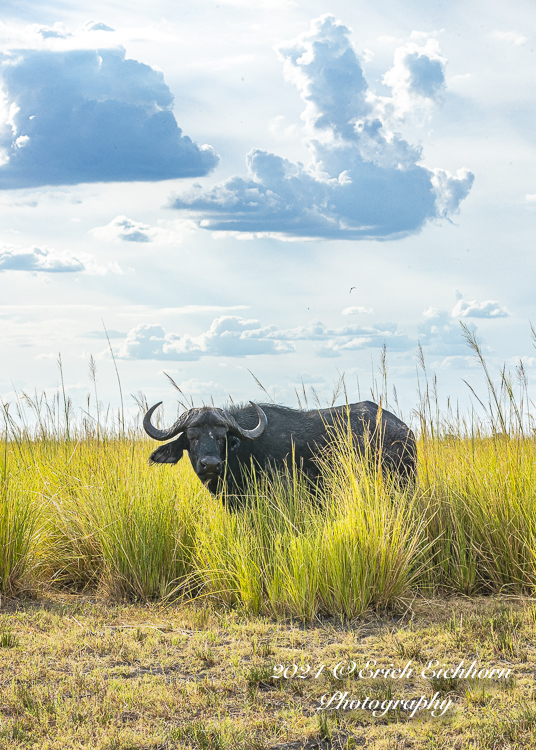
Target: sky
{"points": [[265, 190]]}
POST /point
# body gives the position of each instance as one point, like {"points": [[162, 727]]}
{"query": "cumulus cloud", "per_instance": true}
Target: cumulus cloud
{"points": [[123, 229], [228, 336], [38, 259], [94, 26], [344, 338], [43, 259], [87, 115], [450, 189], [352, 338], [441, 334], [473, 309], [364, 181], [58, 31], [232, 336], [417, 77]]}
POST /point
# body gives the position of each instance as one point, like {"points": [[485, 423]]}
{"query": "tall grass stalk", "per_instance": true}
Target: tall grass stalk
{"points": [[19, 536], [20, 521]]}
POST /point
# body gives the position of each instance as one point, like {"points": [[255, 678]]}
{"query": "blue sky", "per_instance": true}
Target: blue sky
{"points": [[265, 186]]}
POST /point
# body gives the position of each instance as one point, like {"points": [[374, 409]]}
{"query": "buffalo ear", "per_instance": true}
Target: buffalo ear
{"points": [[170, 453]]}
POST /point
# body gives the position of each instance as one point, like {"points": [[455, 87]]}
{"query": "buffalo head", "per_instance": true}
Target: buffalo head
{"points": [[208, 434]]}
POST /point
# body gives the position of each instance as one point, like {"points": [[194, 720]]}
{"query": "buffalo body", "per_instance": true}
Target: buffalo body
{"points": [[223, 445]]}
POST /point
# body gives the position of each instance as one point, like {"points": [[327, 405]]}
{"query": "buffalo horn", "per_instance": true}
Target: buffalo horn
{"points": [[179, 426], [248, 434]]}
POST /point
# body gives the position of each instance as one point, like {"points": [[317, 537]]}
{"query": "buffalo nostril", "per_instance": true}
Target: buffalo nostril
{"points": [[211, 464]]}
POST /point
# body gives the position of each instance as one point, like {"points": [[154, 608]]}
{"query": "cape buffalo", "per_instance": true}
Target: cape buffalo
{"points": [[223, 444]]}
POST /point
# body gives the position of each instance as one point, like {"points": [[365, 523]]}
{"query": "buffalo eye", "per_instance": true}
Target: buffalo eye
{"points": [[233, 442]]}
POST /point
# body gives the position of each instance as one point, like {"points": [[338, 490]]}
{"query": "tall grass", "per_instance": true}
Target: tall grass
{"points": [[478, 476], [20, 522], [113, 523], [20, 526], [80, 507]]}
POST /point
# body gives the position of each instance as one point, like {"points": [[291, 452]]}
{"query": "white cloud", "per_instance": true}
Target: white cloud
{"points": [[364, 181], [473, 309], [232, 336], [457, 362], [228, 336], [45, 260], [128, 230], [76, 110], [279, 129], [357, 310], [90, 36], [525, 360], [530, 198], [94, 26], [58, 31], [450, 189], [440, 333], [347, 337], [509, 36], [417, 77]]}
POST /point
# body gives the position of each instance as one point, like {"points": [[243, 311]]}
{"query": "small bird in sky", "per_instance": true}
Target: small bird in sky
{"points": [[352, 287]]}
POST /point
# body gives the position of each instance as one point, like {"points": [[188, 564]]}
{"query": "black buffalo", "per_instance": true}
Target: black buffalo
{"points": [[223, 444]]}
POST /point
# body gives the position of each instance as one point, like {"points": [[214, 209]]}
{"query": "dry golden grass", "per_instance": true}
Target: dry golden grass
{"points": [[81, 672]]}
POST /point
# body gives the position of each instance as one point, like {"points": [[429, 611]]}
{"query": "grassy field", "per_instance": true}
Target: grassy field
{"points": [[137, 612], [80, 672]]}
